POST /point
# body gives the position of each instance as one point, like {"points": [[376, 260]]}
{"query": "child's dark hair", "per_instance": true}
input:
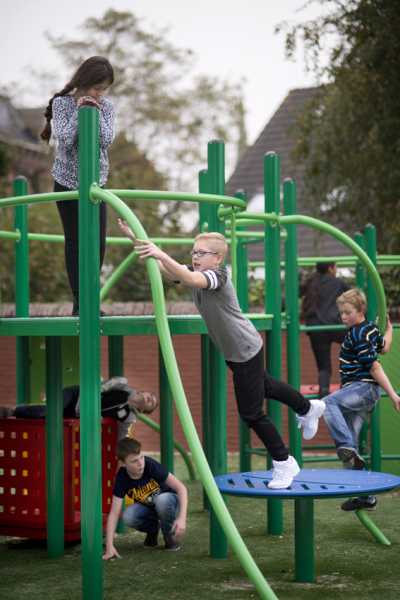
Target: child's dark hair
{"points": [[93, 71], [128, 446], [323, 267]]}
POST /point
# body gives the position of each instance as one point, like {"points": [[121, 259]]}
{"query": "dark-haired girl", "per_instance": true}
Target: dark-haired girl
{"points": [[86, 88]]}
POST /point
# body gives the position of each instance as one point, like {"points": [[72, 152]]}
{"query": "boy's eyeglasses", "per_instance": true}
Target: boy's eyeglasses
{"points": [[200, 253]]}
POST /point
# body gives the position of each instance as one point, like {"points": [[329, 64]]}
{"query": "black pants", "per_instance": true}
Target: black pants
{"points": [[321, 342], [69, 216], [252, 385]]}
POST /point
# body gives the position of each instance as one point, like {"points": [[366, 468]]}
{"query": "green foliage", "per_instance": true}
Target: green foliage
{"points": [[348, 137]]}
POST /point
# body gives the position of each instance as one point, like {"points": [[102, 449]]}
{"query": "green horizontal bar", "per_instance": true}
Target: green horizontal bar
{"points": [[37, 198], [322, 327], [126, 325], [121, 241], [41, 326], [179, 197]]}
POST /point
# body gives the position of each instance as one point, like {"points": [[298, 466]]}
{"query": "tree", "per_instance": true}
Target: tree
{"points": [[169, 114], [349, 136]]}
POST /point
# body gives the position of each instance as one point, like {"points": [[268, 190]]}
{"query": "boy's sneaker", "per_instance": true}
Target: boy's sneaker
{"points": [[351, 458], [171, 543], [309, 421], [361, 503], [283, 473], [151, 540]]}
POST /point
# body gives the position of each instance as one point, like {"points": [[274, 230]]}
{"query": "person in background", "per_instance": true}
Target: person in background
{"points": [[320, 292]]}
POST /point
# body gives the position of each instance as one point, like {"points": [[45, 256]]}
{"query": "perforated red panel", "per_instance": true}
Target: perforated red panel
{"points": [[23, 506]]}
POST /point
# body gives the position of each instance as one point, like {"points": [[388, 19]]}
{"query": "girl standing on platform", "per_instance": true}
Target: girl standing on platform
{"points": [[86, 88]]}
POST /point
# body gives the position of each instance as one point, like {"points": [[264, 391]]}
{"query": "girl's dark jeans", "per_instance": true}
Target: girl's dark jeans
{"points": [[68, 210]]}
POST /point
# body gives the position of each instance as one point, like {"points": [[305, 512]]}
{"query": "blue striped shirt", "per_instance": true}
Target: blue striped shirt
{"points": [[360, 348]]}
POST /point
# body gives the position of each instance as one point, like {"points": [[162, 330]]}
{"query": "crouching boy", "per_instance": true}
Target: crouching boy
{"points": [[158, 500]]}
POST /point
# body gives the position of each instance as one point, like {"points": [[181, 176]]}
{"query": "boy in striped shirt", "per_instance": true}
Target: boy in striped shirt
{"points": [[362, 378]]}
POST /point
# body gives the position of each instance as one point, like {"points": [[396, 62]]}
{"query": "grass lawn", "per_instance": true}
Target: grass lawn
{"points": [[350, 564]]}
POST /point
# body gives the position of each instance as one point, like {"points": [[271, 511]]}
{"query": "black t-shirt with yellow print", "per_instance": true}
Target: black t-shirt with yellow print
{"points": [[142, 490]]}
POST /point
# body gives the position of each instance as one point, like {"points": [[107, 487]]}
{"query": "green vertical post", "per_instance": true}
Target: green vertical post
{"points": [[370, 246], [360, 271], [116, 369], [89, 351], [217, 430], [243, 297], [115, 356], [205, 402], [273, 303], [20, 188], [166, 417], [304, 540], [205, 343], [54, 448], [292, 313], [361, 284]]}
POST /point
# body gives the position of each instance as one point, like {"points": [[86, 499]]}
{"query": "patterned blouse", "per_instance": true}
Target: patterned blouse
{"points": [[65, 131]]}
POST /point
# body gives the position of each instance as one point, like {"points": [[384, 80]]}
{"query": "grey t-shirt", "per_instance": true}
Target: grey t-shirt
{"points": [[233, 334]]}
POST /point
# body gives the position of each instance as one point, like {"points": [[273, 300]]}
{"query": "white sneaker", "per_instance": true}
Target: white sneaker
{"points": [[309, 421], [283, 473]]}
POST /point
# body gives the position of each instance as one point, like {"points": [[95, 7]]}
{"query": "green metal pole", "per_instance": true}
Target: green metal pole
{"points": [[89, 350], [304, 540], [20, 188], [166, 417], [218, 386], [243, 297], [360, 271], [361, 284], [205, 403], [204, 216], [370, 246], [115, 356], [273, 302], [292, 313], [116, 369], [54, 448], [372, 528]]}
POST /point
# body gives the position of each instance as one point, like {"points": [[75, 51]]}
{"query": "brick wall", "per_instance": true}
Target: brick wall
{"points": [[141, 368]]}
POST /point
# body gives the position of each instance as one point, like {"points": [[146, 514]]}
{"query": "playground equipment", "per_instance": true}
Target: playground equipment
{"points": [[308, 485], [89, 326]]}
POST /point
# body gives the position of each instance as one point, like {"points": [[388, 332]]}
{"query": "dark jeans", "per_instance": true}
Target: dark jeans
{"points": [[321, 342], [252, 385], [69, 217]]}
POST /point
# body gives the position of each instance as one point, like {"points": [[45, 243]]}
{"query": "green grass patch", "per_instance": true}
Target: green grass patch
{"points": [[349, 562]]}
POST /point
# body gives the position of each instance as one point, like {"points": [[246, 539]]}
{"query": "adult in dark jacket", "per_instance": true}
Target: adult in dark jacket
{"points": [[319, 308]]}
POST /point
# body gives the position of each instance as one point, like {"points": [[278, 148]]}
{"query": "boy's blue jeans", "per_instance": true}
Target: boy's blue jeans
{"points": [[346, 410], [149, 518]]}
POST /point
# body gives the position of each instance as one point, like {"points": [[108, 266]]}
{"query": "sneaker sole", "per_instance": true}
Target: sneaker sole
{"points": [[348, 455]]}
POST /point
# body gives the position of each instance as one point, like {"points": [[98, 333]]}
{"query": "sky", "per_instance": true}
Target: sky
{"points": [[231, 39]]}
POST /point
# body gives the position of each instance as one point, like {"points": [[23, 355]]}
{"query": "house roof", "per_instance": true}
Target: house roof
{"points": [[279, 136], [20, 127]]}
